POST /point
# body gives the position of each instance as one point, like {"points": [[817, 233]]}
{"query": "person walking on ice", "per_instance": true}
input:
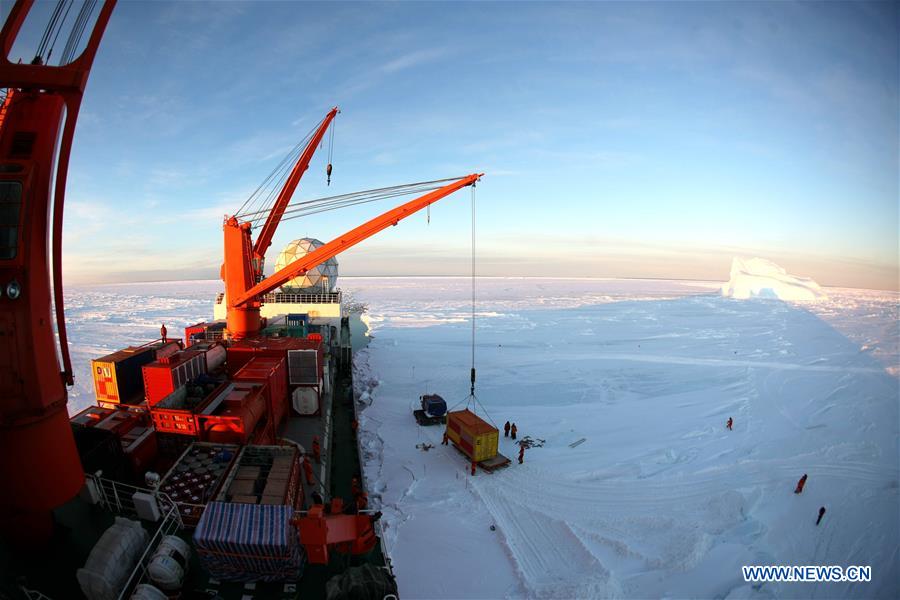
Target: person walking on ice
{"points": [[821, 514], [512, 431], [729, 424], [800, 485], [521, 453], [506, 429]]}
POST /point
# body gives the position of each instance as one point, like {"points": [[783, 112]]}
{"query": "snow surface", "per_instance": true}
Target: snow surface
{"points": [[761, 278], [660, 499]]}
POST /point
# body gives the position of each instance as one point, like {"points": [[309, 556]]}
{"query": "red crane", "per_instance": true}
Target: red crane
{"points": [[242, 268], [39, 464]]}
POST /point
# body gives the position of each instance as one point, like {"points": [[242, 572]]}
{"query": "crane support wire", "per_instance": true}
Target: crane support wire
{"points": [[472, 390], [264, 195], [48, 31], [308, 207], [74, 39]]}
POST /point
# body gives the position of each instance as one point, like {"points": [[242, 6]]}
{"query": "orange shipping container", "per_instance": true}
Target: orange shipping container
{"points": [[470, 433]]}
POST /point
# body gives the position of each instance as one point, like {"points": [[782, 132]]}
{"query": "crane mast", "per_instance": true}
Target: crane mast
{"points": [[264, 239]]}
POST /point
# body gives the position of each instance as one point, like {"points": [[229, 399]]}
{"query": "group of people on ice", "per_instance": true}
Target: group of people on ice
{"points": [[729, 424]]}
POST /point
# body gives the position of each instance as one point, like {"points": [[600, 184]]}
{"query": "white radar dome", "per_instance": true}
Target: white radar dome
{"points": [[317, 280]]}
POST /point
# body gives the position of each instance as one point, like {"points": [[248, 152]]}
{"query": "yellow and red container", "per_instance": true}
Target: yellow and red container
{"points": [[475, 437], [117, 376]]}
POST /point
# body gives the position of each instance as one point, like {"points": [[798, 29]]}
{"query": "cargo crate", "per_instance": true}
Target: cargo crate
{"points": [[166, 375], [197, 476], [264, 475], [269, 370], [236, 414], [476, 438]]}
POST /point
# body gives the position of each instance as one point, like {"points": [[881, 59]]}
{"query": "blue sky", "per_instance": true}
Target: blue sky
{"points": [[618, 139]]}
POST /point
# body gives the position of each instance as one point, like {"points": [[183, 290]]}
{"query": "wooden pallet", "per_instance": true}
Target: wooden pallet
{"points": [[425, 420], [492, 464]]}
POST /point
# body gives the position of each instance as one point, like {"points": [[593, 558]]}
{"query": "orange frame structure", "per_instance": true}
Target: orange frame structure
{"points": [[39, 464]]}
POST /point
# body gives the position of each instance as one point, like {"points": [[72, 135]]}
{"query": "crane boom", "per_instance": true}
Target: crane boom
{"points": [[264, 239], [249, 300]]}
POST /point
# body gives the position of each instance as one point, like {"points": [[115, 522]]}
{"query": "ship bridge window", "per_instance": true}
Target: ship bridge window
{"points": [[10, 207]]}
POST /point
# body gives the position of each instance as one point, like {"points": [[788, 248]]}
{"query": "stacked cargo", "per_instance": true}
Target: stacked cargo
{"points": [[196, 477], [204, 332], [118, 378], [476, 438], [166, 375], [176, 412], [305, 361], [271, 371], [248, 542], [236, 414], [132, 430], [265, 475]]}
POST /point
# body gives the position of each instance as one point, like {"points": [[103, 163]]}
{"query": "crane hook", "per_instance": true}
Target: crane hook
{"points": [[328, 173]]}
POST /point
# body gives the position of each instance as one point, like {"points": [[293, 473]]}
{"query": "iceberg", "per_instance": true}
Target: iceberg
{"points": [[761, 278]]}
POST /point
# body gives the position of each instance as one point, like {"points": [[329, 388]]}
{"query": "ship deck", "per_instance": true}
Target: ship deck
{"points": [[51, 569]]}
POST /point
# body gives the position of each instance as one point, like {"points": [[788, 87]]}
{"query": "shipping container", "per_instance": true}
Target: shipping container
{"points": [[166, 375], [476, 438], [214, 353], [237, 414], [204, 332], [271, 371], [176, 412], [117, 376], [133, 430], [305, 358]]}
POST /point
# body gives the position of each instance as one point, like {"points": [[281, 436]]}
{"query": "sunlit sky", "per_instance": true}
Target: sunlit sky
{"points": [[618, 139]]}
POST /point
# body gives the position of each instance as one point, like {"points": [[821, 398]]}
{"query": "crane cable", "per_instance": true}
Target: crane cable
{"points": [[263, 196], [308, 207], [74, 39], [48, 33]]}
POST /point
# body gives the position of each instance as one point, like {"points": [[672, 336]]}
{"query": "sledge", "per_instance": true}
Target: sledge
{"points": [[423, 418]]}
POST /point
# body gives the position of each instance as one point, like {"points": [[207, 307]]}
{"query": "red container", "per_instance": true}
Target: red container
{"points": [[91, 416], [304, 358], [166, 375], [236, 416], [271, 371]]}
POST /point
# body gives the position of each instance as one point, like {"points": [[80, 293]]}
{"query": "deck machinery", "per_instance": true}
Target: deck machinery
{"points": [[240, 417]]}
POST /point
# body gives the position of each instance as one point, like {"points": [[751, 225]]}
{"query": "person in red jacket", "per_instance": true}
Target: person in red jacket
{"points": [[474, 464], [513, 430], [729, 423], [521, 453], [307, 470], [506, 429], [821, 514], [800, 485], [163, 333], [316, 449]]}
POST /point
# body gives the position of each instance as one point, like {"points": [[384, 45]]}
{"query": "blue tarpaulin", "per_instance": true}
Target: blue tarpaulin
{"points": [[249, 542]]}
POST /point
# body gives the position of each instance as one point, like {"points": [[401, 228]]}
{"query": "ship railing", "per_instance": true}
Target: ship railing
{"points": [[308, 298], [118, 497], [379, 528], [171, 523], [282, 298]]}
